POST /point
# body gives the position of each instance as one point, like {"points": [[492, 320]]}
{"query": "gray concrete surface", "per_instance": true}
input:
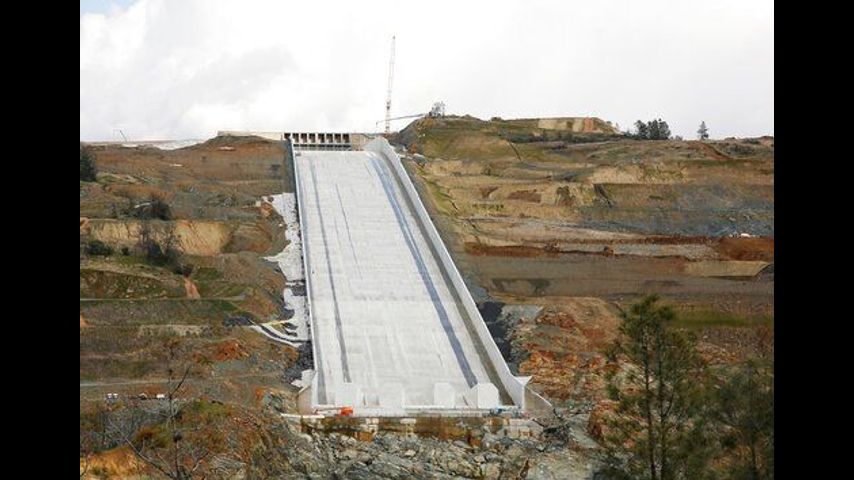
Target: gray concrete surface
{"points": [[385, 317]]}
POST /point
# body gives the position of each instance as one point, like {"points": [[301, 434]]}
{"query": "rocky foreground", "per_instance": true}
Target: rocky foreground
{"points": [[393, 456]]}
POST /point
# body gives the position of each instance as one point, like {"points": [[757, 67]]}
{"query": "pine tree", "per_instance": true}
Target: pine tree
{"points": [[703, 132], [743, 406], [657, 431]]}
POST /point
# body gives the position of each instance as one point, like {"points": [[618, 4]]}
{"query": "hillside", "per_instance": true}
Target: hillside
{"points": [[570, 227], [556, 224], [131, 303]]}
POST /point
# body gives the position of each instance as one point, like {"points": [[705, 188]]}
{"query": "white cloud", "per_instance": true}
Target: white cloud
{"points": [[181, 69]]}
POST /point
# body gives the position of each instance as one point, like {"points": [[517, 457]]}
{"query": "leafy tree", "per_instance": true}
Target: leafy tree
{"points": [[657, 431], [88, 172], [642, 130], [703, 132], [743, 408], [663, 130], [654, 130], [98, 248]]}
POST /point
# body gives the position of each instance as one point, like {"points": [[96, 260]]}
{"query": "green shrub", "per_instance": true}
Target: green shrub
{"points": [[183, 269], [162, 252], [739, 150], [154, 209], [88, 172], [160, 255], [98, 248]]}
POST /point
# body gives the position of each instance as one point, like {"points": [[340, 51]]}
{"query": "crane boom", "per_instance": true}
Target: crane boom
{"points": [[388, 95], [419, 115]]}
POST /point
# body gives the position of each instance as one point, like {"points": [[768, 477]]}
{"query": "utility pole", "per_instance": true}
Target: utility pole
{"points": [[388, 95]]}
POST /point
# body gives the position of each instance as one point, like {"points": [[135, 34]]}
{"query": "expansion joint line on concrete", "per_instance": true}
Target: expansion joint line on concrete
{"points": [[338, 327], [347, 224]]}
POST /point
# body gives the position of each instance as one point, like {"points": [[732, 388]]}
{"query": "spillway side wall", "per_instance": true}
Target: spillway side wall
{"points": [[314, 402]]}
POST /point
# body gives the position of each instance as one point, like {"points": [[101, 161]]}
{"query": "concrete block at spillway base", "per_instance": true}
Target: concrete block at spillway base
{"points": [[349, 395], [305, 379], [391, 395], [482, 395], [304, 402], [444, 395]]}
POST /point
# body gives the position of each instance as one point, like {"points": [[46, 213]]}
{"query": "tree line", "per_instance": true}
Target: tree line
{"points": [[652, 130], [659, 130]]}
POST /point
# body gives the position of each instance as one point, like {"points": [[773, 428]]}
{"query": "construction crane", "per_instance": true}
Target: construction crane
{"points": [[388, 95], [121, 133]]}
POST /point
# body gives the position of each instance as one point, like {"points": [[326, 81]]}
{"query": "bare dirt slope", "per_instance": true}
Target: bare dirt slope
{"points": [[583, 223], [131, 306]]}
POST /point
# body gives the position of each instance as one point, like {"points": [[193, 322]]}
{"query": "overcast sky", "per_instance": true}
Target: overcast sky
{"points": [[186, 68]]}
